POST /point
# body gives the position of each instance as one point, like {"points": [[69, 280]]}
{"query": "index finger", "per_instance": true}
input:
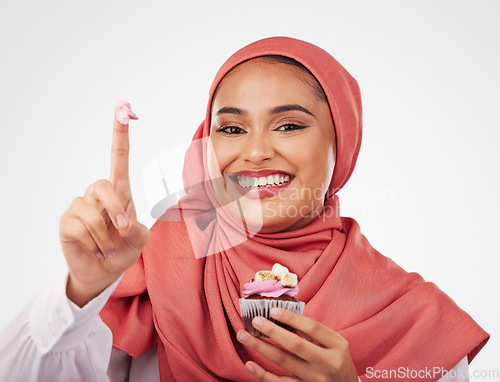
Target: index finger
{"points": [[317, 331], [120, 145]]}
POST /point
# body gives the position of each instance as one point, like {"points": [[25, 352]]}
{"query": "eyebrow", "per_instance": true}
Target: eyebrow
{"points": [[282, 109], [231, 110], [276, 110]]}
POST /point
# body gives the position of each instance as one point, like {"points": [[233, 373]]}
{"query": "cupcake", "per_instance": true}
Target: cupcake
{"points": [[269, 289]]}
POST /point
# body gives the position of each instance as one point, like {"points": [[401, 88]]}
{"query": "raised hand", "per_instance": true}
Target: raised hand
{"points": [[99, 233], [321, 354]]}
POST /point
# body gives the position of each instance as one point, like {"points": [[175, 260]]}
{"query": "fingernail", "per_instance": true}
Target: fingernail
{"points": [[122, 221], [242, 336], [124, 113], [257, 322], [99, 255], [110, 255], [249, 367], [275, 312]]}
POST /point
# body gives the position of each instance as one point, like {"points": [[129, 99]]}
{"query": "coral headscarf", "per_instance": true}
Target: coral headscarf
{"points": [[188, 304]]}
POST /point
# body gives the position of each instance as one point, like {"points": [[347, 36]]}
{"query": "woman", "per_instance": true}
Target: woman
{"points": [[280, 138]]}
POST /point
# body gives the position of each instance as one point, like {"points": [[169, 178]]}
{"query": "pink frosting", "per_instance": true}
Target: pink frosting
{"points": [[124, 113], [268, 288]]}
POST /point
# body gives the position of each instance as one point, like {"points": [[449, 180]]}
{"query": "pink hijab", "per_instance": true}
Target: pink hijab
{"points": [[182, 293]]}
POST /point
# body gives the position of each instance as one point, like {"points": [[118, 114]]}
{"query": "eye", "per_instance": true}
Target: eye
{"points": [[290, 127], [230, 130]]}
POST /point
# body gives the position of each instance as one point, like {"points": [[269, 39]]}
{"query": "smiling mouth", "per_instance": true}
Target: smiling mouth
{"points": [[246, 181]]}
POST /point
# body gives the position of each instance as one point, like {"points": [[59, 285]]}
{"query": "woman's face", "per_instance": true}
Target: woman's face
{"points": [[273, 141]]}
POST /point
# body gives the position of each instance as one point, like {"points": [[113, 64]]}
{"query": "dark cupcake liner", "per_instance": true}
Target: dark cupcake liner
{"points": [[251, 308]]}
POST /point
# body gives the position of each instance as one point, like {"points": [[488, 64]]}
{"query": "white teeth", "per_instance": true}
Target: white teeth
{"points": [[263, 181]]}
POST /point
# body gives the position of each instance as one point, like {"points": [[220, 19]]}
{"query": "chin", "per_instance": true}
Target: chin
{"points": [[270, 226], [258, 219]]}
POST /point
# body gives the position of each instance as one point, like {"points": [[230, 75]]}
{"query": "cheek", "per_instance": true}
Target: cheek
{"points": [[214, 170], [329, 166], [316, 166], [212, 160], [219, 155]]}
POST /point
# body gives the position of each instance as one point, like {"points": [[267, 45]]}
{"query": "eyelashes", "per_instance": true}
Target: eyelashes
{"points": [[290, 127], [230, 130], [235, 130]]}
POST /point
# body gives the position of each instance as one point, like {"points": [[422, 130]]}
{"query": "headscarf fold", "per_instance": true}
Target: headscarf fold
{"points": [[183, 291]]}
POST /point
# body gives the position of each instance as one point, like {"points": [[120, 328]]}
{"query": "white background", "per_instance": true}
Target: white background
{"points": [[426, 187]]}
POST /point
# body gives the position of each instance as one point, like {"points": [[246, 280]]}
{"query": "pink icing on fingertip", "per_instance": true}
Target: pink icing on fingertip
{"points": [[124, 113], [132, 115], [123, 103]]}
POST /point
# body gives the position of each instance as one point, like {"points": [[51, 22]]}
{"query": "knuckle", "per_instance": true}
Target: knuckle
{"points": [[89, 245], [310, 325], [255, 344], [343, 344], [89, 188], [268, 328], [280, 358], [295, 320], [102, 182], [72, 231], [100, 185], [322, 378], [297, 346], [65, 226], [63, 219], [145, 235], [94, 221], [333, 364], [78, 231], [288, 317], [76, 202], [333, 361], [121, 151], [260, 374]]}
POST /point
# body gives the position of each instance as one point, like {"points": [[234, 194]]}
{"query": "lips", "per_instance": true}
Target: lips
{"points": [[259, 184]]}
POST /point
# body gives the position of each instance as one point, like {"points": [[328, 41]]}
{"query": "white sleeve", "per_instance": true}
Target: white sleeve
{"points": [[123, 368], [459, 373], [55, 340]]}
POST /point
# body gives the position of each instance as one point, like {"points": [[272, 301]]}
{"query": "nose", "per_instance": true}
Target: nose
{"points": [[257, 148]]}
